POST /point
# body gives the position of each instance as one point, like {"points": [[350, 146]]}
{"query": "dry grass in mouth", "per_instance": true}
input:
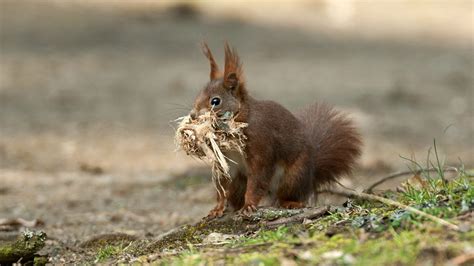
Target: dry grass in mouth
{"points": [[207, 137]]}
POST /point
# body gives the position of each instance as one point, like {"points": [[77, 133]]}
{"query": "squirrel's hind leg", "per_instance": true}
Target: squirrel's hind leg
{"points": [[296, 186], [259, 178]]}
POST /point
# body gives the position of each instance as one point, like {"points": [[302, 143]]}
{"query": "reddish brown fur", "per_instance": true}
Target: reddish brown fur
{"points": [[315, 147], [335, 141]]}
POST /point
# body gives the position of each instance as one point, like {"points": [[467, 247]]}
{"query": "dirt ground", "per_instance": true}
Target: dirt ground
{"points": [[87, 93]]}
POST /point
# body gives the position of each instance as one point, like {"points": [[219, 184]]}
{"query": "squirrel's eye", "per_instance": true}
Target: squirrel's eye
{"points": [[215, 101]]}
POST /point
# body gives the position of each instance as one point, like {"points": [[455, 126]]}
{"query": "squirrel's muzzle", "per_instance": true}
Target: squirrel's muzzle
{"points": [[194, 114]]}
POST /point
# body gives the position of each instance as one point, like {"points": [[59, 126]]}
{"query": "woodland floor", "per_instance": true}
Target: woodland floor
{"points": [[87, 153]]}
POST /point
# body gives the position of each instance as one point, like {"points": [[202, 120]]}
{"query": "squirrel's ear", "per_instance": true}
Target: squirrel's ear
{"points": [[233, 68], [214, 68], [231, 81]]}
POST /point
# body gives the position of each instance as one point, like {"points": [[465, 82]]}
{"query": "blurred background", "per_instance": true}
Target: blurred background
{"points": [[88, 89]]}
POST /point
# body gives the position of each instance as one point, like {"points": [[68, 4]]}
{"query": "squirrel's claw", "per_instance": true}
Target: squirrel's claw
{"points": [[247, 210]]}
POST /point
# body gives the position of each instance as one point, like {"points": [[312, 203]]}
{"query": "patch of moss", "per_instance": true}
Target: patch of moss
{"points": [[107, 239], [40, 261], [192, 234], [24, 247]]}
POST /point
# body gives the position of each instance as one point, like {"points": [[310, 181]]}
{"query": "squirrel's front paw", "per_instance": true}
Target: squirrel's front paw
{"points": [[247, 210], [215, 213]]}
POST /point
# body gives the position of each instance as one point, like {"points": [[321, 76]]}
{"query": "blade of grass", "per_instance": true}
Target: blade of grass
{"points": [[440, 167]]}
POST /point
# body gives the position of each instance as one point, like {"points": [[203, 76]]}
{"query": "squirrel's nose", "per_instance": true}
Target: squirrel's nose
{"points": [[193, 114]]}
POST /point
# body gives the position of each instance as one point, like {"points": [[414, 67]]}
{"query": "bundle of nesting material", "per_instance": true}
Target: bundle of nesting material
{"points": [[208, 136]]}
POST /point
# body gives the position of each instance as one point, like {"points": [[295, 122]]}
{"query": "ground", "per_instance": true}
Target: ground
{"points": [[86, 144]]}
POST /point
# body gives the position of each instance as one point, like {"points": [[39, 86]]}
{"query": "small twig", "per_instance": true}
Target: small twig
{"points": [[310, 214], [399, 174], [366, 196], [462, 259]]}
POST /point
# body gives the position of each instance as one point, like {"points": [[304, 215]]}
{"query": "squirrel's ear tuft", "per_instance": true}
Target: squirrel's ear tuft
{"points": [[214, 67], [233, 68]]}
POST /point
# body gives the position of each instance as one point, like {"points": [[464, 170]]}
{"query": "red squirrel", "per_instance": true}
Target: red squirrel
{"points": [[314, 147]]}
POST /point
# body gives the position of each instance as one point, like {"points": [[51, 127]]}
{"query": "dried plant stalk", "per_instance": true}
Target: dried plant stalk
{"points": [[208, 137]]}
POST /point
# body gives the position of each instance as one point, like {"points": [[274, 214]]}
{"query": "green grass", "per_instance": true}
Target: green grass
{"points": [[263, 237], [107, 252]]}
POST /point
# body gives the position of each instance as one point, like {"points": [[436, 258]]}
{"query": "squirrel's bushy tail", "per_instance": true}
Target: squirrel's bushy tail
{"points": [[335, 141]]}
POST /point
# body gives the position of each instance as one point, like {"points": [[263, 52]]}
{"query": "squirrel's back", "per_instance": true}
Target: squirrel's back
{"points": [[335, 141], [274, 127]]}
